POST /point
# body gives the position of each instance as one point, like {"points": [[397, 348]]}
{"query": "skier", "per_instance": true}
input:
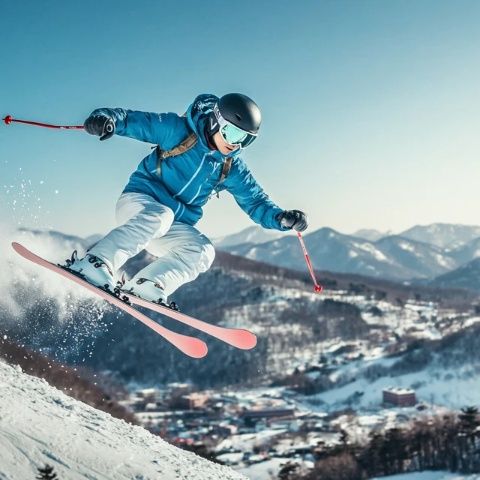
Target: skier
{"points": [[197, 156]]}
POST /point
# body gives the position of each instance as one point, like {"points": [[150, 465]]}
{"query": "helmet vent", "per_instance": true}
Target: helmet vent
{"points": [[238, 116]]}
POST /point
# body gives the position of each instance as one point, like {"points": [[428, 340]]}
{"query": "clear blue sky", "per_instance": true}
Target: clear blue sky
{"points": [[370, 108]]}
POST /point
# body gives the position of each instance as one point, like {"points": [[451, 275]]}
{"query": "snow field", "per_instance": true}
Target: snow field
{"points": [[39, 425]]}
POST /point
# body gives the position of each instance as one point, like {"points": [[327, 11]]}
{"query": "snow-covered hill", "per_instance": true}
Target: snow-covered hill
{"points": [[467, 252], [466, 276], [251, 235], [40, 425], [443, 235], [414, 258], [441, 371]]}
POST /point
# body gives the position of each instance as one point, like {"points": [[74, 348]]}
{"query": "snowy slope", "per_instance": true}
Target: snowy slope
{"points": [[467, 252], [466, 276], [453, 387], [39, 425]]}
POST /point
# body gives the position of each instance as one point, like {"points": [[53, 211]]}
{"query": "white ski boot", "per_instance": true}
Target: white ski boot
{"points": [[93, 269], [145, 289]]}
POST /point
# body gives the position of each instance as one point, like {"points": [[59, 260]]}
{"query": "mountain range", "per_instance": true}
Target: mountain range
{"points": [[443, 235], [251, 234], [43, 312], [419, 253]]}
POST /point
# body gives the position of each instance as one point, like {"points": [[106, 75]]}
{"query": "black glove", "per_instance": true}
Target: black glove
{"points": [[293, 219], [100, 125]]}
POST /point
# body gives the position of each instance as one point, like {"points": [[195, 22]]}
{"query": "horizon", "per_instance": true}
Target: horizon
{"points": [[285, 233]]}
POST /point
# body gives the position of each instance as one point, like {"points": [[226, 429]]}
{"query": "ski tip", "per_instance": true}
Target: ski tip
{"points": [[20, 249], [16, 246], [242, 339], [196, 348], [249, 340]]}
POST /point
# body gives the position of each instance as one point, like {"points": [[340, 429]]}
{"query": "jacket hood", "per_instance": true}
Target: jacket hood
{"points": [[197, 114], [198, 111]]}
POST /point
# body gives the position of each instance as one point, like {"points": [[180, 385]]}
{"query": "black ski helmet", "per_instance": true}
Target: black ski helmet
{"points": [[240, 110]]}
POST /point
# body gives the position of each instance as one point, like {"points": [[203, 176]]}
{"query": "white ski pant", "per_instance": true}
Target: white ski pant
{"points": [[144, 223]]}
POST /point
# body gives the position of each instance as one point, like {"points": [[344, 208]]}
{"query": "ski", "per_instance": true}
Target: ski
{"points": [[239, 338], [191, 346]]}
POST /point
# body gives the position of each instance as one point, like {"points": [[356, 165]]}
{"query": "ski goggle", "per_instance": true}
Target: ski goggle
{"points": [[231, 133]]}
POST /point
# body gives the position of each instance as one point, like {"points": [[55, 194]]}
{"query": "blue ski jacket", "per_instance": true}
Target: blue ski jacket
{"points": [[186, 182]]}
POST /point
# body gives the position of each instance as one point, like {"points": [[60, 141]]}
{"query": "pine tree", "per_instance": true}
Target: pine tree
{"points": [[371, 458], [469, 419], [46, 473], [395, 450], [469, 423]]}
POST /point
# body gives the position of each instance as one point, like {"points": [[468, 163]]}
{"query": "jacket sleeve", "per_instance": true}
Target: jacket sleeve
{"points": [[250, 196], [148, 127]]}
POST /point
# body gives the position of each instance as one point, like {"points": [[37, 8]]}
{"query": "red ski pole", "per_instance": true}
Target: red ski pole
{"points": [[9, 119], [316, 286]]}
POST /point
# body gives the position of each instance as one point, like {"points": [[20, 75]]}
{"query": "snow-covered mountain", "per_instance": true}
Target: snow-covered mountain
{"points": [[397, 257], [467, 276], [417, 259], [422, 252], [371, 234], [467, 252], [444, 235], [250, 235], [391, 257], [48, 314], [40, 425]]}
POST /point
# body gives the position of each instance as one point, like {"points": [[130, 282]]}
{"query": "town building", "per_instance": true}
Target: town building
{"points": [[399, 397]]}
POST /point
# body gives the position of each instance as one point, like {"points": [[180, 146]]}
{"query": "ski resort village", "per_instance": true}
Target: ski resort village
{"points": [[364, 386], [371, 377]]}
